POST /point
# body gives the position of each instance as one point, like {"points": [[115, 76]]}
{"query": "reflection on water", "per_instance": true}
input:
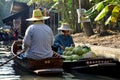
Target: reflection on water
{"points": [[11, 72], [6, 71]]}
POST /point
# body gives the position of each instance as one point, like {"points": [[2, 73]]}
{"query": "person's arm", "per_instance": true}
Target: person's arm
{"points": [[27, 39], [56, 41], [72, 42], [52, 38]]}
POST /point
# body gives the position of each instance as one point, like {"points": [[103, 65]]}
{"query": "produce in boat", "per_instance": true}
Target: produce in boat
{"points": [[67, 58], [69, 48], [89, 54], [85, 49], [77, 50], [75, 57]]}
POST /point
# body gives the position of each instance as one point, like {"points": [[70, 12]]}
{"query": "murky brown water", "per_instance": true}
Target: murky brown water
{"points": [[11, 72]]}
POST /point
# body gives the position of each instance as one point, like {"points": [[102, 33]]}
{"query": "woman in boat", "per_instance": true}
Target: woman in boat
{"points": [[63, 39], [38, 38]]}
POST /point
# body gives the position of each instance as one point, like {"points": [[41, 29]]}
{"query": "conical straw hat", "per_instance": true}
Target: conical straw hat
{"points": [[65, 26], [37, 15]]}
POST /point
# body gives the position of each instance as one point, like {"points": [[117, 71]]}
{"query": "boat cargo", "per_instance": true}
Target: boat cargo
{"points": [[96, 65]]}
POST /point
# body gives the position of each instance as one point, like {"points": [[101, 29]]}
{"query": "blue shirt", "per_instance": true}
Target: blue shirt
{"points": [[38, 40], [65, 41]]}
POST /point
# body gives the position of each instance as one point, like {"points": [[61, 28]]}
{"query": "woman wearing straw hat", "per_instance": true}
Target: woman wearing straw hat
{"points": [[38, 38], [63, 39]]}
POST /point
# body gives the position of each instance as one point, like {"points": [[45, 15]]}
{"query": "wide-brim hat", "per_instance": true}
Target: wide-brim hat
{"points": [[37, 15], [65, 26]]}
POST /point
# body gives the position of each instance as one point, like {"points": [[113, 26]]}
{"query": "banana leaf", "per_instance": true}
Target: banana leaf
{"points": [[102, 13], [99, 6]]}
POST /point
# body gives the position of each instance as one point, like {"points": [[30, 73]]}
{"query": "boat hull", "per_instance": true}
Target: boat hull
{"points": [[97, 65], [51, 65], [27, 65]]}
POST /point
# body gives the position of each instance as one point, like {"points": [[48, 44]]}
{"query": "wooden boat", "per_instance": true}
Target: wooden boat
{"points": [[51, 65], [98, 65], [89, 63]]}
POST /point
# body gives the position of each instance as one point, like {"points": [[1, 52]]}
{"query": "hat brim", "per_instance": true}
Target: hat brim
{"points": [[37, 19], [64, 29]]}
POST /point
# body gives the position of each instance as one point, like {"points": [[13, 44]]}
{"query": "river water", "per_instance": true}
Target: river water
{"points": [[11, 72]]}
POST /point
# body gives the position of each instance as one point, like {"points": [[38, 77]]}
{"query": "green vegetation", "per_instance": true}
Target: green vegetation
{"points": [[99, 12], [25, 1], [78, 52], [108, 9]]}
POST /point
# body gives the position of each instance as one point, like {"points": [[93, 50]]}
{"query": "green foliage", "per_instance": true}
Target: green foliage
{"points": [[108, 20], [31, 2], [69, 4], [55, 0], [92, 13], [25, 1], [103, 8], [99, 6], [67, 8], [102, 14]]}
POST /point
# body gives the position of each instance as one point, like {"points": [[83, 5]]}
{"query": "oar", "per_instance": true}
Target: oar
{"points": [[12, 58]]}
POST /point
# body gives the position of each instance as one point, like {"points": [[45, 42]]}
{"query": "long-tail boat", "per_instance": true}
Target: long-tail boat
{"points": [[52, 65]]}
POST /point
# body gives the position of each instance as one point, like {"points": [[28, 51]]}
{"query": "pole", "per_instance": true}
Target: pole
{"points": [[79, 4], [12, 58], [80, 9], [80, 12]]}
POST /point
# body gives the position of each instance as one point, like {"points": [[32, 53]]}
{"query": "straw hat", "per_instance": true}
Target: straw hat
{"points": [[65, 26], [37, 15]]}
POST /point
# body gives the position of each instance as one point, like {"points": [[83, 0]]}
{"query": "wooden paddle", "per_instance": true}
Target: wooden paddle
{"points": [[12, 58]]}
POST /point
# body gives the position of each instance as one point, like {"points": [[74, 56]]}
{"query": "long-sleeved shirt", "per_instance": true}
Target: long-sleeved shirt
{"points": [[61, 40], [38, 40]]}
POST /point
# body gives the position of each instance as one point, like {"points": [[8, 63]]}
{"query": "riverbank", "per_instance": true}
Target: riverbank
{"points": [[108, 46], [104, 51], [111, 40]]}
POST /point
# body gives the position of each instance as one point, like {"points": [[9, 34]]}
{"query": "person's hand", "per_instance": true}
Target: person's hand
{"points": [[62, 47], [72, 45]]}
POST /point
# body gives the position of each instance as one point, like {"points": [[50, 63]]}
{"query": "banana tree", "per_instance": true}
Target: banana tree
{"points": [[39, 3], [105, 11], [108, 9], [66, 7], [25, 1]]}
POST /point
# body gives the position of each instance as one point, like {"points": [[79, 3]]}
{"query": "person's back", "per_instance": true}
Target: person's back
{"points": [[38, 38], [41, 40]]}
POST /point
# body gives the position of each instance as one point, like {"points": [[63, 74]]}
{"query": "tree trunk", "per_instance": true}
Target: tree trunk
{"points": [[74, 16], [87, 28], [85, 4], [86, 25]]}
